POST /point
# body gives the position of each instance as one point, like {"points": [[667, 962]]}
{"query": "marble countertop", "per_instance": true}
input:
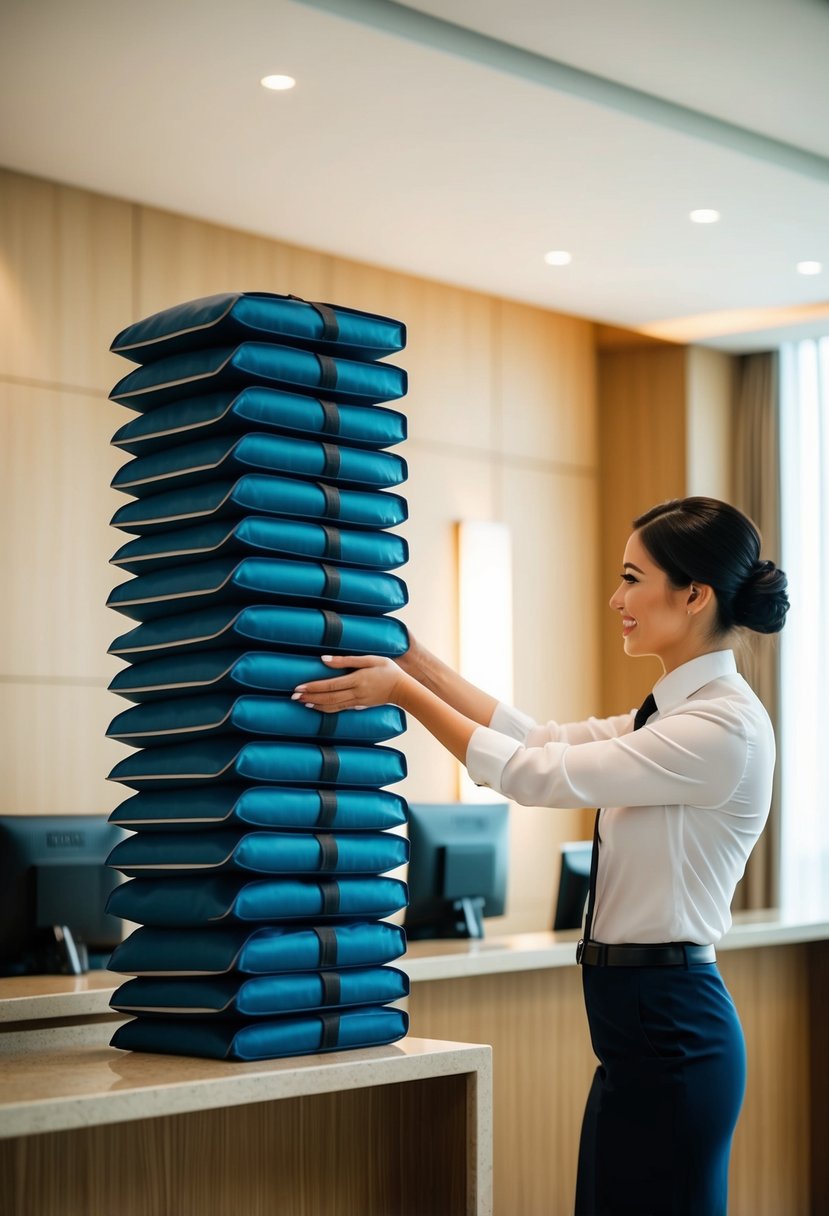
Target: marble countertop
{"points": [[49, 1088]]}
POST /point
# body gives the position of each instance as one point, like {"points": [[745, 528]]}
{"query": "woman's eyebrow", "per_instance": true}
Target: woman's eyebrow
{"points": [[630, 566]]}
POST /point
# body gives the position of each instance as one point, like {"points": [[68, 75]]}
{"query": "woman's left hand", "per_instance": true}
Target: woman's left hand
{"points": [[371, 680]]}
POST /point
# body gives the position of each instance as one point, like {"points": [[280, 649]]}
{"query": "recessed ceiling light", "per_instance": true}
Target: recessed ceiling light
{"points": [[809, 267], [278, 83], [558, 257], [704, 215]]}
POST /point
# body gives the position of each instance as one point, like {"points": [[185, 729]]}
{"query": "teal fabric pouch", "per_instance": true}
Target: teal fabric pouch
{"points": [[261, 494], [163, 854], [270, 761], [186, 719], [265, 316], [228, 456], [298, 629], [307, 1034], [227, 367], [218, 671], [260, 996], [266, 806], [248, 580], [260, 409], [198, 901], [268, 950], [260, 535]]}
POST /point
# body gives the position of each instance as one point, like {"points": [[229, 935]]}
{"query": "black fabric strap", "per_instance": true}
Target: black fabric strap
{"points": [[332, 499], [333, 541], [328, 805], [330, 765], [331, 413], [328, 945], [328, 726], [332, 460], [330, 892], [333, 582], [328, 371], [332, 631], [330, 987], [330, 324], [644, 711], [330, 1031], [328, 848]]}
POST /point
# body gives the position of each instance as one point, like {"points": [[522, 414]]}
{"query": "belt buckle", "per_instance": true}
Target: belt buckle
{"points": [[580, 950]]}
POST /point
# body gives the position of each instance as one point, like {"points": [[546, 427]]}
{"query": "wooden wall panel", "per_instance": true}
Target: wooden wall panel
{"points": [[65, 282]]}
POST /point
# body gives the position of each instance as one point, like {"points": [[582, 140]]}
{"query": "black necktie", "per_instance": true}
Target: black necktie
{"points": [[642, 714]]}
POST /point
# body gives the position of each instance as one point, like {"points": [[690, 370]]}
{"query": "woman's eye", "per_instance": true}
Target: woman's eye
{"points": [[627, 578]]}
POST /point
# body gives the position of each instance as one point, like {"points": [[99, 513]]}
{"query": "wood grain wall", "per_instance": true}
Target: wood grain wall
{"points": [[503, 425]]}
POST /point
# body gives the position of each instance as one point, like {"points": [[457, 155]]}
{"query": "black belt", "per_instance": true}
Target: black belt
{"points": [[672, 954]]}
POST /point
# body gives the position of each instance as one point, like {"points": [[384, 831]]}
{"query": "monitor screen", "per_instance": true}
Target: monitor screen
{"points": [[457, 867], [54, 885], [573, 884]]}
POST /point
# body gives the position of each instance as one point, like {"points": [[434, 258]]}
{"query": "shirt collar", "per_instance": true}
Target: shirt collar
{"points": [[678, 685]]}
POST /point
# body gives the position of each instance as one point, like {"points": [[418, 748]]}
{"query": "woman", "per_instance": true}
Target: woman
{"points": [[686, 787]]}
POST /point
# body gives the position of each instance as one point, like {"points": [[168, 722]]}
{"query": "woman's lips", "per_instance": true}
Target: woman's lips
{"points": [[628, 625]]}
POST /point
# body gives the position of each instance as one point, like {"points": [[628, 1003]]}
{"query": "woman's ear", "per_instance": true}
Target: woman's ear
{"points": [[700, 595]]}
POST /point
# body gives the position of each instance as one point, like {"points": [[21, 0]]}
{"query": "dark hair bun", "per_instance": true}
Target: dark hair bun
{"points": [[761, 602]]}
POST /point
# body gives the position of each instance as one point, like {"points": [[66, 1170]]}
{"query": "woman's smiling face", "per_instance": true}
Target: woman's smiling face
{"points": [[655, 615]]}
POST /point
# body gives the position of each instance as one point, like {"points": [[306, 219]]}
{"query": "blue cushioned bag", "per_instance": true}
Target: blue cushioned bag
{"points": [[307, 1034], [272, 807], [265, 951], [235, 316], [167, 853], [260, 409], [228, 367], [300, 629], [229, 455], [256, 580], [261, 535], [218, 671], [270, 761], [261, 494], [260, 996], [196, 902], [185, 719]]}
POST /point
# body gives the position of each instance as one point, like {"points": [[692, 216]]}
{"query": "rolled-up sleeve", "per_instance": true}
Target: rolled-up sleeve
{"points": [[694, 756]]}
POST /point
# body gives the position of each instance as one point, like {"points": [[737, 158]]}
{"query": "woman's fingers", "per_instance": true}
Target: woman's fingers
{"points": [[370, 681]]}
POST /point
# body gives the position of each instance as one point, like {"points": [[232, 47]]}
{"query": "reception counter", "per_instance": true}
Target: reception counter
{"points": [[521, 994]]}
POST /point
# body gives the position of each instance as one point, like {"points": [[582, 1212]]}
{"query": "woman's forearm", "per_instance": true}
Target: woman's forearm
{"points": [[439, 678], [448, 725]]}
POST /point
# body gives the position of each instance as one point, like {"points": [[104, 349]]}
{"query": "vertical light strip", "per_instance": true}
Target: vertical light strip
{"points": [[485, 617]]}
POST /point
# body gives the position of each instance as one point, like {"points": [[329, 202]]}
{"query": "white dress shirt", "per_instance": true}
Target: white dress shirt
{"points": [[685, 797]]}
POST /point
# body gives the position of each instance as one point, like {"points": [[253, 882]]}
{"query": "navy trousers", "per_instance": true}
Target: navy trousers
{"points": [[664, 1103]]}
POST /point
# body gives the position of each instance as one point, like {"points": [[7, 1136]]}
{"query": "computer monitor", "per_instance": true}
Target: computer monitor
{"points": [[53, 887], [573, 884], [458, 862]]}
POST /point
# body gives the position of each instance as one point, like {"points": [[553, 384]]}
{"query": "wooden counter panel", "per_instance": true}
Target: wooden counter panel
{"points": [[398, 1149]]}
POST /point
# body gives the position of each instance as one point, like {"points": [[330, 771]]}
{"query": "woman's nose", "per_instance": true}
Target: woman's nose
{"points": [[615, 600]]}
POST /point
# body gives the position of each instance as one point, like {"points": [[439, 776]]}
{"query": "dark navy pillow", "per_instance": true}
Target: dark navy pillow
{"points": [[228, 367], [272, 762], [265, 951], [229, 455], [262, 535], [263, 315], [264, 806], [184, 719], [260, 409], [168, 853], [261, 996], [307, 1034], [256, 580], [217, 671], [299, 629], [201, 901], [261, 494]]}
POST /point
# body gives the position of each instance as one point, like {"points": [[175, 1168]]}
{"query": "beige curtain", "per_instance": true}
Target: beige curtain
{"points": [[756, 482]]}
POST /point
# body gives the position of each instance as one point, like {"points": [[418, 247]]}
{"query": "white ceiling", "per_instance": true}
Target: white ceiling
{"points": [[460, 154]]}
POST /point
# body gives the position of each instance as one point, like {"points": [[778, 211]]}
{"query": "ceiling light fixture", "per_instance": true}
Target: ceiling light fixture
{"points": [[809, 267], [705, 215], [558, 257], [277, 83]]}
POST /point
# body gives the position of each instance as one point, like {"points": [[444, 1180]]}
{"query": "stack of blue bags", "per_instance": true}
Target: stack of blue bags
{"points": [[261, 506]]}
